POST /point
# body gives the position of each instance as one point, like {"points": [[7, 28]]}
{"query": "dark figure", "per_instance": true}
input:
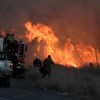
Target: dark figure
{"points": [[37, 62], [14, 60], [47, 66], [91, 65]]}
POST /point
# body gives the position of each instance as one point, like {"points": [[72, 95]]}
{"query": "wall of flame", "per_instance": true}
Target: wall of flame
{"points": [[48, 43]]}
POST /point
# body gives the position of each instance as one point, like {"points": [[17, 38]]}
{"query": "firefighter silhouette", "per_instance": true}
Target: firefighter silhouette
{"points": [[37, 62], [46, 69], [14, 60]]}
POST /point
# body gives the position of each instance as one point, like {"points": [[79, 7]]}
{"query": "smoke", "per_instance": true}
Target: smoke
{"points": [[75, 19]]}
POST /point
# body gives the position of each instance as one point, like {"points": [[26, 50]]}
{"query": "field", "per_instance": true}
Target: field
{"points": [[83, 82]]}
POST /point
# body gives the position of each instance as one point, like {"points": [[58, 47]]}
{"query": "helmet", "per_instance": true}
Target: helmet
{"points": [[37, 57], [49, 56]]}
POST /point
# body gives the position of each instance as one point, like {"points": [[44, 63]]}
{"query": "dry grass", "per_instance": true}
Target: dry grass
{"points": [[81, 82]]}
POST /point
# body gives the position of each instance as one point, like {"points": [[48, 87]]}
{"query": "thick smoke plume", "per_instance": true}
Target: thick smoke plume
{"points": [[78, 20]]}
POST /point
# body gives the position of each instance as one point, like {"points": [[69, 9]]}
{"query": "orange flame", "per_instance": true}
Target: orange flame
{"points": [[74, 55]]}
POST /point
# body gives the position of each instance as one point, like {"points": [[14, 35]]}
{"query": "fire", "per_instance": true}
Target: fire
{"points": [[72, 54]]}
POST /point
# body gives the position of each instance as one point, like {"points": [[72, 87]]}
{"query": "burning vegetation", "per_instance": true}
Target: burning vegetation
{"points": [[48, 43]]}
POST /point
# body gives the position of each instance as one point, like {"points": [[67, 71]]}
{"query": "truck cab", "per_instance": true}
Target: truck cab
{"points": [[13, 50]]}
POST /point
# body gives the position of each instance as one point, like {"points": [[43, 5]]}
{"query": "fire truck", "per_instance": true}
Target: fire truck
{"points": [[15, 51]]}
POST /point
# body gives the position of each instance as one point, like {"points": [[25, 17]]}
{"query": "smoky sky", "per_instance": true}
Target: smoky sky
{"points": [[75, 19]]}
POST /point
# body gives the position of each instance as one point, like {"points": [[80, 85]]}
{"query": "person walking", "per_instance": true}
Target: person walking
{"points": [[14, 60], [47, 63], [37, 62]]}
